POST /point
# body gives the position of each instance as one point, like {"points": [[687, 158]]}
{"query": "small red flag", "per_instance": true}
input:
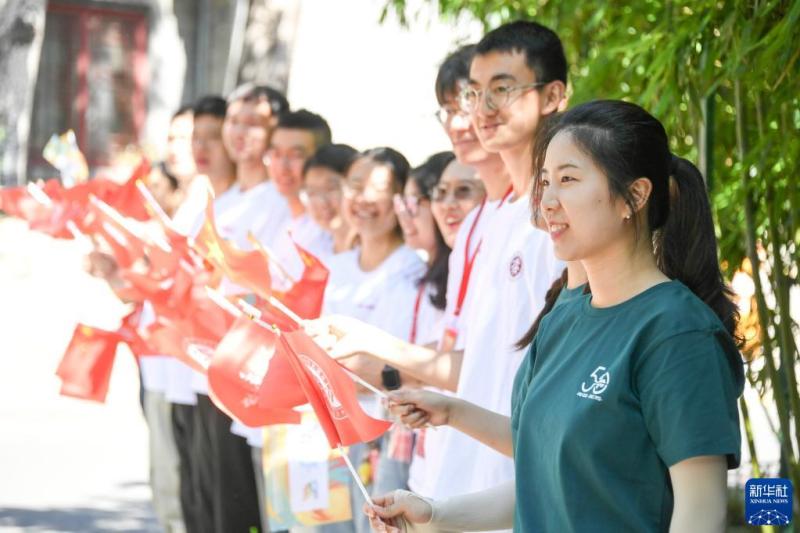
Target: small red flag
{"points": [[305, 297], [127, 199], [244, 361], [85, 368], [120, 233], [330, 391], [129, 333], [249, 269]]}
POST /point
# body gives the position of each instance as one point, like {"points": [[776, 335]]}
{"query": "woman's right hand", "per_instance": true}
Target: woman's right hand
{"points": [[389, 511], [418, 408]]}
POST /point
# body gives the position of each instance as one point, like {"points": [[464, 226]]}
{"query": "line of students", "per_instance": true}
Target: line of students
{"points": [[436, 275]]}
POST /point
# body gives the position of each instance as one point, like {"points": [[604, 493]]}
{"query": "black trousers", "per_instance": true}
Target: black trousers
{"points": [[183, 418], [226, 484]]}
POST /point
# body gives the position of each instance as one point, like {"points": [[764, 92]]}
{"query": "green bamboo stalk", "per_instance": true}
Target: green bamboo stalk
{"points": [[761, 301], [780, 287], [751, 443]]}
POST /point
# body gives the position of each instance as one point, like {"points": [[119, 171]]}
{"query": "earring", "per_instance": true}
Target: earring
{"points": [[628, 216]]}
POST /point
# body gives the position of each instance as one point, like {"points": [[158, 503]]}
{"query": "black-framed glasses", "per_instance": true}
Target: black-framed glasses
{"points": [[497, 96], [459, 192]]}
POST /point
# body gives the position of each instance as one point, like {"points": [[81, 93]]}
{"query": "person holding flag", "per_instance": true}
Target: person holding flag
{"points": [[227, 489], [517, 78]]}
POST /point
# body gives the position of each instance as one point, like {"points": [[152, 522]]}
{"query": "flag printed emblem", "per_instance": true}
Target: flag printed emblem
{"points": [[335, 406]]}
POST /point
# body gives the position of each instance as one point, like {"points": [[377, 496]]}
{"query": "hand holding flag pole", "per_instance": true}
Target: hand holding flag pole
{"points": [[243, 308]]}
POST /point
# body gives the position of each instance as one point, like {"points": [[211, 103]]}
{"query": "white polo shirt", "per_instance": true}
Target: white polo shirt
{"points": [[517, 268]]}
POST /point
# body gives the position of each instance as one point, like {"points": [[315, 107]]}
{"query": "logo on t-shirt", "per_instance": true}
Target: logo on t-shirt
{"points": [[768, 501], [600, 380], [515, 266]]}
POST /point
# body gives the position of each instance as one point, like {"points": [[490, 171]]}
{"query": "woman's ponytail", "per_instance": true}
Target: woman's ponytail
{"points": [[550, 299], [686, 245]]}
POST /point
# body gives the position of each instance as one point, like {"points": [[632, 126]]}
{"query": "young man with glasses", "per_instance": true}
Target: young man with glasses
{"points": [[228, 494], [297, 136], [517, 77]]}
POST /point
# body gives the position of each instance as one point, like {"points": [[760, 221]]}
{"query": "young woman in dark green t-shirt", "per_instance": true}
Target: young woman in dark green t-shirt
{"points": [[624, 413]]}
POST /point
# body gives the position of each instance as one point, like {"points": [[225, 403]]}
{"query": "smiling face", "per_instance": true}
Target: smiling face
{"points": [[416, 219], [323, 188], [210, 156], [457, 193], [288, 151], [583, 218], [514, 124], [179, 158], [246, 130], [368, 199], [459, 129]]}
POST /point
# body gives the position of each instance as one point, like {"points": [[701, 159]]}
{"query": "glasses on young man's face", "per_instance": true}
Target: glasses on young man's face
{"points": [[460, 192], [497, 96], [323, 195]]}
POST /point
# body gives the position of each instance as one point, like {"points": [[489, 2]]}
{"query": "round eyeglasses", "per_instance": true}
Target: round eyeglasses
{"points": [[497, 97]]}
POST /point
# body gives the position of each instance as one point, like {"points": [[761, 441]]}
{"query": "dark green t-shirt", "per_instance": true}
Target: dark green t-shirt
{"points": [[608, 399]]}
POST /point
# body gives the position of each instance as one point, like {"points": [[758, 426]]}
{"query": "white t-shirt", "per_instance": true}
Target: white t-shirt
{"points": [[516, 270], [383, 297], [194, 202], [425, 470], [153, 367], [307, 234], [430, 328], [456, 266]]}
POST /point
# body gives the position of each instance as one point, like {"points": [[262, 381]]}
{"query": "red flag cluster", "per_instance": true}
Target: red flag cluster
{"points": [[259, 369]]}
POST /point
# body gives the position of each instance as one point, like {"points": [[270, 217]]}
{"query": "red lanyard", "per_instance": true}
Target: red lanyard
{"points": [[505, 196], [470, 261], [412, 337]]}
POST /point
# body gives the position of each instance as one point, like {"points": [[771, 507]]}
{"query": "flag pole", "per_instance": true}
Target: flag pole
{"points": [[38, 194], [153, 204], [356, 477]]}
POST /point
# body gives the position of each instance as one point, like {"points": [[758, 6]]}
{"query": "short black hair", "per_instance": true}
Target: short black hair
{"points": [[182, 110], [307, 121], [394, 161], [250, 92], [214, 106], [454, 68], [336, 157], [543, 51]]}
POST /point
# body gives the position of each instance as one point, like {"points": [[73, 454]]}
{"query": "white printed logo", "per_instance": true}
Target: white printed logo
{"points": [[592, 391], [334, 405]]}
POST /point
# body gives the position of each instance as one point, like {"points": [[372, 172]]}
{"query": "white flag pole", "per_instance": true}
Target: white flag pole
{"points": [[356, 477]]}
